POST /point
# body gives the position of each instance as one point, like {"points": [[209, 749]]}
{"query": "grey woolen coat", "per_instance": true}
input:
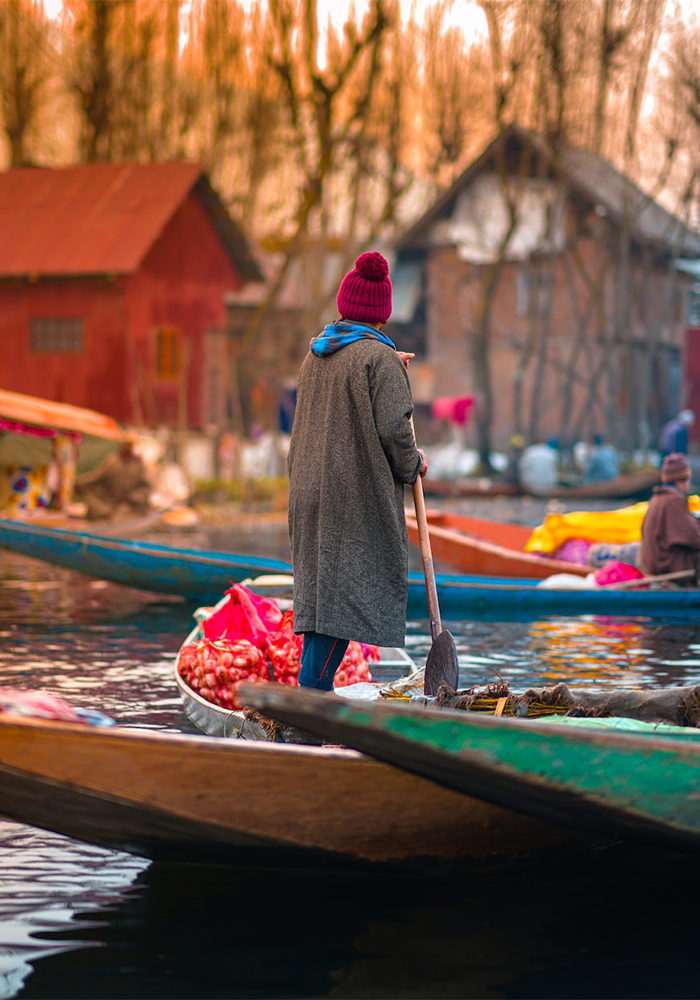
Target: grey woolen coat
{"points": [[352, 451]]}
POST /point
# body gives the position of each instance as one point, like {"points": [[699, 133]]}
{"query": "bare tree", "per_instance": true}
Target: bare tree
{"points": [[24, 73], [578, 73], [678, 118], [144, 39], [455, 88], [91, 76], [314, 99]]}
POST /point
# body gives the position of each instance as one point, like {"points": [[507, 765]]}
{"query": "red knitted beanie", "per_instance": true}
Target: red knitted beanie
{"points": [[365, 292], [675, 467]]}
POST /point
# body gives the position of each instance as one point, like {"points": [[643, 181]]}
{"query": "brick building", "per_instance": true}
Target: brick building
{"points": [[564, 273]]}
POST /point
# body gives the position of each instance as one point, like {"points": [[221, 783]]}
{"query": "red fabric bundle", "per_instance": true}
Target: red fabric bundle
{"points": [[615, 572], [244, 616]]}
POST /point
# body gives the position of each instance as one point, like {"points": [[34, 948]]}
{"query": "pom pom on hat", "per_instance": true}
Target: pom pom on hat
{"points": [[372, 266], [365, 292], [674, 468]]}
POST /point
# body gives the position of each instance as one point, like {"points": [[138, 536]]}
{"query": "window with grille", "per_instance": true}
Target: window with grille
{"points": [[62, 334], [168, 356]]}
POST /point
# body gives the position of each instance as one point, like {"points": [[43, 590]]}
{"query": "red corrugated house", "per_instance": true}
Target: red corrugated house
{"points": [[112, 286]]}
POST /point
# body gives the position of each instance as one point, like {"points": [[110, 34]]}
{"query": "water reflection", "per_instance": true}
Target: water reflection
{"points": [[590, 651], [46, 881], [96, 644], [532, 928], [206, 932]]}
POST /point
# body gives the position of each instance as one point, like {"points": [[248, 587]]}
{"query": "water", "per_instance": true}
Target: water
{"points": [[79, 921]]}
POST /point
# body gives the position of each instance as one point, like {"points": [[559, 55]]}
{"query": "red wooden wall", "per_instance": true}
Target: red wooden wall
{"points": [[181, 284], [93, 378]]}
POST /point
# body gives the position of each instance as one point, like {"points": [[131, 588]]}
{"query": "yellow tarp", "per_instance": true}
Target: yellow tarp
{"points": [[615, 527]]}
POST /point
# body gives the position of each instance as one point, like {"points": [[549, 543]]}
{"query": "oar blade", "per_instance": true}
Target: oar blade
{"points": [[442, 666]]}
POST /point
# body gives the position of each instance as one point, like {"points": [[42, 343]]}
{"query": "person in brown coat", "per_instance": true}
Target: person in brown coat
{"points": [[670, 533]]}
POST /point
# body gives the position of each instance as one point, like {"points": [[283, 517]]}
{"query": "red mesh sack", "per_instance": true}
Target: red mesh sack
{"points": [[216, 668]]}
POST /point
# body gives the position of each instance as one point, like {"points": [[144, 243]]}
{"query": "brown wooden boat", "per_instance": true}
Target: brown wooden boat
{"points": [[476, 545], [470, 488], [171, 795], [629, 486]]}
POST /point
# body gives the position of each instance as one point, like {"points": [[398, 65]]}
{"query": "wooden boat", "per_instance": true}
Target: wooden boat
{"points": [[202, 577], [640, 784], [635, 485], [217, 721], [629, 486], [196, 798], [38, 433], [485, 547], [193, 574], [33, 411], [467, 488]]}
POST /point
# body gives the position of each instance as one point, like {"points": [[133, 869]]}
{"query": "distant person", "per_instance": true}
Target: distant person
{"points": [[674, 434], [118, 486], [287, 404], [516, 446], [603, 463], [670, 533], [537, 466]]}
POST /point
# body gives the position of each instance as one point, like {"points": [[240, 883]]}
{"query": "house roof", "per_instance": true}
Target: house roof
{"points": [[585, 172], [102, 218]]}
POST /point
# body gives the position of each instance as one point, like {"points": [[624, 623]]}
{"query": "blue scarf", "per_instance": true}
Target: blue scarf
{"points": [[337, 335]]}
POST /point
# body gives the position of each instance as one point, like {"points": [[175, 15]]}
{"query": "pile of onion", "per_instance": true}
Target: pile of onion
{"points": [[216, 668]]}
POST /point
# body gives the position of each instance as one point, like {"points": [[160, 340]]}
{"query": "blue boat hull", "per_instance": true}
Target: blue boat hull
{"points": [[203, 576], [462, 596]]}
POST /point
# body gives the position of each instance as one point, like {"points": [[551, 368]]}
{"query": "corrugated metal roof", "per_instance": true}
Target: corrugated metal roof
{"points": [[648, 221], [98, 218]]}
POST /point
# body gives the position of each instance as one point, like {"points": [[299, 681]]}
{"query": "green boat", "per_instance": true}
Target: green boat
{"points": [[616, 777]]}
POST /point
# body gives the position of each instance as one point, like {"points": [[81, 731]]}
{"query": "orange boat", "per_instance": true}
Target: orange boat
{"points": [[43, 444], [477, 546]]}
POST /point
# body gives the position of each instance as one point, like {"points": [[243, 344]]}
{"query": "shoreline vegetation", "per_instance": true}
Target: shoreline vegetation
{"points": [[219, 501]]}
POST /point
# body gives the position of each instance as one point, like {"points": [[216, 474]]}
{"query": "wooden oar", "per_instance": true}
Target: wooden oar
{"points": [[641, 581], [442, 666]]}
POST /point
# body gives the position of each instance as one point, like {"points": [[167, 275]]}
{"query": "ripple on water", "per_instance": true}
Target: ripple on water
{"points": [[50, 883], [110, 648]]}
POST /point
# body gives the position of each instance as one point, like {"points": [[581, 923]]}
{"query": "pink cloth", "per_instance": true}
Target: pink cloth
{"points": [[244, 616], [17, 427], [574, 550], [615, 572], [36, 705], [454, 409]]}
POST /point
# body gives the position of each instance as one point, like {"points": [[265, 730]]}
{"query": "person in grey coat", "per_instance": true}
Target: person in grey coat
{"points": [[352, 451]]}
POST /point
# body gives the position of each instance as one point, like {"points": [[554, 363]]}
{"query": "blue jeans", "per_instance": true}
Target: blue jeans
{"points": [[321, 656]]}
